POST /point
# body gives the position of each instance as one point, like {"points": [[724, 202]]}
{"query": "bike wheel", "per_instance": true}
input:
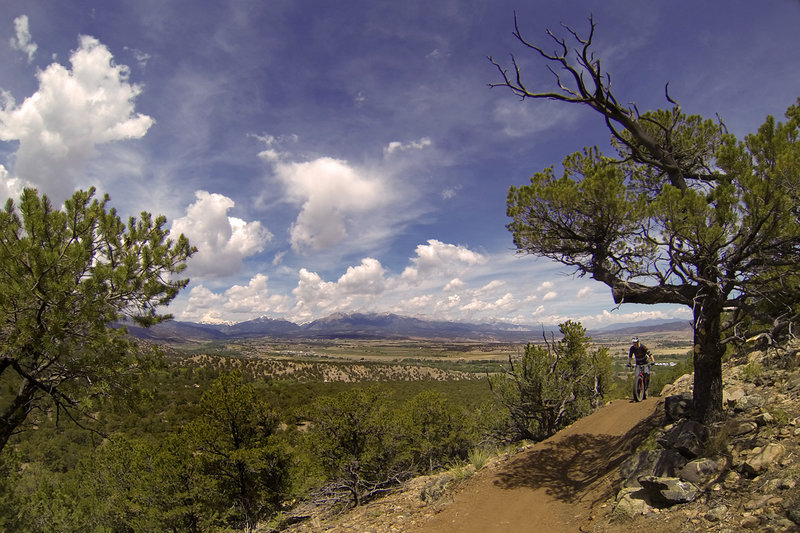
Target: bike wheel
{"points": [[638, 388]]}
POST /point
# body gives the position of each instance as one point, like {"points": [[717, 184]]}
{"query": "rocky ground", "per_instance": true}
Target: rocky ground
{"points": [[664, 473]]}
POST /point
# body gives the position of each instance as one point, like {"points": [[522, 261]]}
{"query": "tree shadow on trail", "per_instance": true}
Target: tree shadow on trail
{"points": [[566, 468]]}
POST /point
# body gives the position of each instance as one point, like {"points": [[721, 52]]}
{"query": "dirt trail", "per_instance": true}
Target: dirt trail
{"points": [[558, 485]]}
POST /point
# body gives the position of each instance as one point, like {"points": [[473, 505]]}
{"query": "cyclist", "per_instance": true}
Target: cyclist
{"points": [[643, 359]]}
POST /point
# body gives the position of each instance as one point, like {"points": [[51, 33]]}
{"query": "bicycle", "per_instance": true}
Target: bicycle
{"points": [[640, 382]]}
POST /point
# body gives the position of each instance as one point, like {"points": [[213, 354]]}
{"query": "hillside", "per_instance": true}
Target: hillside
{"points": [[571, 482]]}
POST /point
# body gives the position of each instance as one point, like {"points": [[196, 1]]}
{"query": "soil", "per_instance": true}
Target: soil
{"points": [[561, 484]]}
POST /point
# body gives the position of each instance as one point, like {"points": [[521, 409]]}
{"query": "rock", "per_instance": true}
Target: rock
{"points": [[731, 480], [668, 490], [764, 418], [683, 384], [678, 406], [717, 513], [761, 458], [750, 522], [742, 427], [688, 437], [756, 503], [751, 401], [434, 490], [659, 463], [702, 471], [630, 503], [793, 511], [732, 395], [635, 466]]}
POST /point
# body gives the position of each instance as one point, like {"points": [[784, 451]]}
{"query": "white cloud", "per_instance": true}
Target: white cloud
{"points": [[550, 295], [222, 241], [367, 278], [454, 285], [313, 295], [606, 318], [237, 304], [335, 198], [585, 292], [397, 146], [73, 111], [450, 192], [520, 118], [22, 40], [10, 187], [355, 289], [437, 259]]}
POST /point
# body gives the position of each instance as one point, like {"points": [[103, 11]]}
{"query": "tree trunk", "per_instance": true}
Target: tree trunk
{"points": [[708, 352], [16, 413]]}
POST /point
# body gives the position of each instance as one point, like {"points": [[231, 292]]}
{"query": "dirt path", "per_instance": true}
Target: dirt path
{"points": [[560, 484]]}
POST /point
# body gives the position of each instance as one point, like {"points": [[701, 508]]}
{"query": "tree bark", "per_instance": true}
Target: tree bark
{"points": [[16, 413], [708, 353]]}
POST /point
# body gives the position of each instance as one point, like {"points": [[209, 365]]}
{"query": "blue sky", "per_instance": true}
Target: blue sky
{"points": [[349, 156]]}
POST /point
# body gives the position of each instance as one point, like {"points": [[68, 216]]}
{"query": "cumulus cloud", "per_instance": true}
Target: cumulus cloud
{"points": [[335, 199], [357, 287], [22, 40], [72, 112], [222, 241], [549, 295], [454, 285], [367, 278], [585, 292], [237, 304], [437, 259], [397, 146]]}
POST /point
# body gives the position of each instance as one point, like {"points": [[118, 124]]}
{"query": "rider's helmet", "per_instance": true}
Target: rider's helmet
{"points": [[635, 340]]}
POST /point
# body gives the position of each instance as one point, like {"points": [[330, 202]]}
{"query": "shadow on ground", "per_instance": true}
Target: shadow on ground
{"points": [[568, 466]]}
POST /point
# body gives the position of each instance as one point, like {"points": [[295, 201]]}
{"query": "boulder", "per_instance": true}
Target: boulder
{"points": [[761, 458], [631, 502], [687, 436], [678, 406], [700, 472], [668, 490], [680, 385], [659, 463]]}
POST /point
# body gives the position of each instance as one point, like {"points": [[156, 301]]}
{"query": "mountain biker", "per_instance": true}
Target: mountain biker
{"points": [[643, 359]]}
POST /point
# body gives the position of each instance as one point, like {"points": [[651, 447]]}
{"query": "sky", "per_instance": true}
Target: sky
{"points": [[350, 156]]}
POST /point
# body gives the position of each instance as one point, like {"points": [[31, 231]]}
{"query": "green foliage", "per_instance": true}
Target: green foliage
{"points": [[478, 457], [435, 431], [555, 385], [65, 277], [752, 371], [235, 443], [365, 444], [354, 435]]}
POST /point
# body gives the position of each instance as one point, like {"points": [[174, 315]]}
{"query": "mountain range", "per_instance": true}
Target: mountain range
{"points": [[370, 326]]}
